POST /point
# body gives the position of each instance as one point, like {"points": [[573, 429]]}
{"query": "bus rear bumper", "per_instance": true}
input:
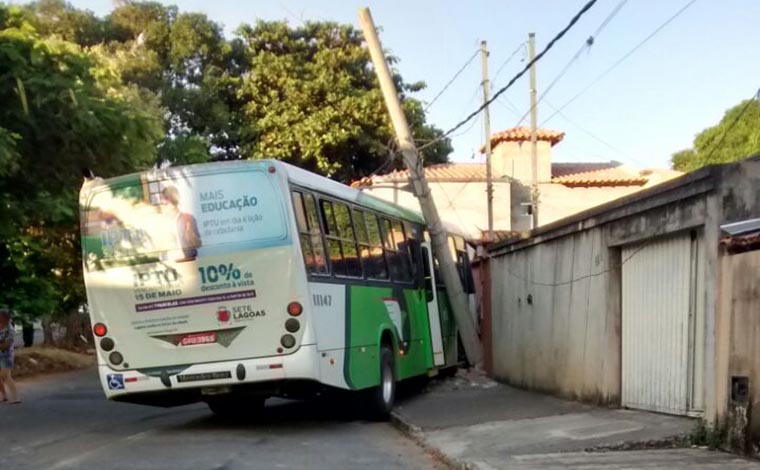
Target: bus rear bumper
{"points": [[186, 384]]}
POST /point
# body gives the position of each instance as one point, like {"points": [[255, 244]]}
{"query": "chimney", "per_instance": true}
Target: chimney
{"points": [[511, 154]]}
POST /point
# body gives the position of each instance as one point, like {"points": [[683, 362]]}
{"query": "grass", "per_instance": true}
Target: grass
{"points": [[44, 360]]}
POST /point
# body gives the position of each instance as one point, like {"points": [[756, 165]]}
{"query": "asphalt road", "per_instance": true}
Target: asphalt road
{"points": [[66, 423]]}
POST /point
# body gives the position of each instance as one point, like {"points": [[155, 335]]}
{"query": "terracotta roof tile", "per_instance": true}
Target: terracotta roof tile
{"points": [[597, 174], [566, 173], [522, 134]]}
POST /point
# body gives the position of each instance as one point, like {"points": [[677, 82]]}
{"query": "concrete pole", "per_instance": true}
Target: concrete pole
{"points": [[438, 235], [533, 130], [487, 127]]}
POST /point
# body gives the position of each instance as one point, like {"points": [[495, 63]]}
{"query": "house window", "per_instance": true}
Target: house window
{"points": [[526, 208], [154, 192]]}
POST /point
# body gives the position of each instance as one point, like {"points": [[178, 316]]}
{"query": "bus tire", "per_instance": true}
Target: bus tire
{"points": [[236, 409], [382, 397]]}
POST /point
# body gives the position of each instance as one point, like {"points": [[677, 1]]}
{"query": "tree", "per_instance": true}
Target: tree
{"points": [[63, 110], [185, 60], [735, 137], [311, 98], [306, 94]]}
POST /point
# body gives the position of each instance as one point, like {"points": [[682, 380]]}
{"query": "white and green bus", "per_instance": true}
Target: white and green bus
{"points": [[233, 282]]}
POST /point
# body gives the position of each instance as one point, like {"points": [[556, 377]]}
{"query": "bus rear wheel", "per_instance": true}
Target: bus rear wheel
{"points": [[382, 397], [236, 408]]}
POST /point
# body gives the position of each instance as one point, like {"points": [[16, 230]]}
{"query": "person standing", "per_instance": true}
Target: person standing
{"points": [[8, 389]]}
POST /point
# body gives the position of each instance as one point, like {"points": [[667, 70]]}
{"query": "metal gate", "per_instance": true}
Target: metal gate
{"points": [[663, 325]]}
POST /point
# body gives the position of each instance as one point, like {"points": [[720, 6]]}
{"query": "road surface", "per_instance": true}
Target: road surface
{"points": [[65, 423]]}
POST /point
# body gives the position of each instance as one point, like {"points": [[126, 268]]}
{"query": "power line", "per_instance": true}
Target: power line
{"points": [[622, 59], [577, 279], [592, 135], [527, 67], [508, 105], [586, 45], [504, 64], [445, 87], [733, 123]]}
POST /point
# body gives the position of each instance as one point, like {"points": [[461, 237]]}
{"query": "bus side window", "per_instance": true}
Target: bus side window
{"points": [[413, 238], [341, 242], [462, 260], [403, 242], [398, 261], [375, 264], [308, 229]]}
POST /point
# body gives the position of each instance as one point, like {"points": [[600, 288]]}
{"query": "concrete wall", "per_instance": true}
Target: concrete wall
{"points": [[459, 203], [740, 327], [513, 160], [566, 338], [553, 336], [463, 203], [556, 297]]}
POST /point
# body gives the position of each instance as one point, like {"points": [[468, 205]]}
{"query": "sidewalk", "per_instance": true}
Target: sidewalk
{"points": [[473, 422]]}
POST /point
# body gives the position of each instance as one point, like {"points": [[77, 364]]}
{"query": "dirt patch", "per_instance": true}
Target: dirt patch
{"points": [[40, 360]]}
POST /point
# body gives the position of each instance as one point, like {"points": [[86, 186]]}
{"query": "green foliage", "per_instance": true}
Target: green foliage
{"points": [[735, 137], [312, 99], [63, 110], [703, 434], [148, 85]]}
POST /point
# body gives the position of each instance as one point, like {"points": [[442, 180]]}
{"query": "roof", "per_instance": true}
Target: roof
{"points": [[597, 174], [522, 134], [574, 174]]}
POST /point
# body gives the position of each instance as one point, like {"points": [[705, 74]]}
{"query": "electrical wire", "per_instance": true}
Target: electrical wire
{"points": [[590, 41], [622, 59], [504, 64], [577, 279], [754, 97], [594, 136], [447, 85], [525, 69], [508, 105]]}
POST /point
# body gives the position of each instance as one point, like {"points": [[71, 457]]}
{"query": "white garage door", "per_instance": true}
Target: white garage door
{"points": [[662, 320]]}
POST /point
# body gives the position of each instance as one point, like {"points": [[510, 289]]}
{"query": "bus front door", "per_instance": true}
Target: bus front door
{"points": [[431, 296]]}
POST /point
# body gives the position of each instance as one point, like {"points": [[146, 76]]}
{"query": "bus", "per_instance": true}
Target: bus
{"points": [[232, 282]]}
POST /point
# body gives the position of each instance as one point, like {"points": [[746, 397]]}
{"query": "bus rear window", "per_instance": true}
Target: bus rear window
{"points": [[181, 218]]}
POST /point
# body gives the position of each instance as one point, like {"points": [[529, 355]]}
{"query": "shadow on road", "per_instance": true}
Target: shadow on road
{"points": [[313, 413]]}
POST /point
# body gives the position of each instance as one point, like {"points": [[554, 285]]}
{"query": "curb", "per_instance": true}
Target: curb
{"points": [[416, 434]]}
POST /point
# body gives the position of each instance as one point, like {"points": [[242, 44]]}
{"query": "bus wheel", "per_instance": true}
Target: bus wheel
{"points": [[236, 408], [381, 398]]}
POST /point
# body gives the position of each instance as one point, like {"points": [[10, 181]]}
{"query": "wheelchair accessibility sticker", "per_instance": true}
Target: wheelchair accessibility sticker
{"points": [[115, 381]]}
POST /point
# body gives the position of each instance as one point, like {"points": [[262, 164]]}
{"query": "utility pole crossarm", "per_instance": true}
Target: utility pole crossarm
{"points": [[438, 235]]}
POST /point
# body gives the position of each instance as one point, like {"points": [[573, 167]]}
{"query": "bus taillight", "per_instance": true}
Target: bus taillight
{"points": [[99, 329], [295, 309]]}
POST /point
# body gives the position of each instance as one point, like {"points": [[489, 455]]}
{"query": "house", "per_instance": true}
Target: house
{"points": [[459, 189], [647, 302]]}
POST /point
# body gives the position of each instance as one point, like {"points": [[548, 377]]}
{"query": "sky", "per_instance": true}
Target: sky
{"points": [[650, 106]]}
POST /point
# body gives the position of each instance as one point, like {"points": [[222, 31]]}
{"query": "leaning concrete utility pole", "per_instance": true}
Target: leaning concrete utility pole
{"points": [[448, 269], [533, 130], [487, 126]]}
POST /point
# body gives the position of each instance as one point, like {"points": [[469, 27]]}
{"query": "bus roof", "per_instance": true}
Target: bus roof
{"points": [[319, 183], [296, 175]]}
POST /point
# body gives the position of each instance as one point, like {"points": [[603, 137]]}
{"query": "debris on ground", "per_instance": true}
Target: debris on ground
{"points": [[463, 379], [45, 360]]}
